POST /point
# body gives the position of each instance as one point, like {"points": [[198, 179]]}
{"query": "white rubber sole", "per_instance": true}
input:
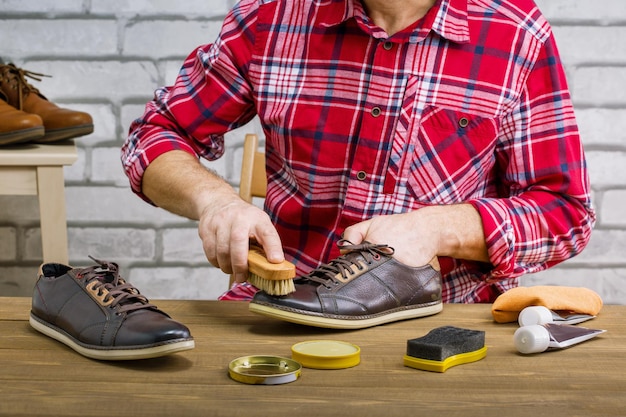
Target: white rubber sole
{"points": [[113, 354], [351, 323]]}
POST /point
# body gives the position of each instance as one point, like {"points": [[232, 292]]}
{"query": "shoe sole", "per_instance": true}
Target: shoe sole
{"points": [[58, 135], [111, 354], [21, 136], [361, 322]]}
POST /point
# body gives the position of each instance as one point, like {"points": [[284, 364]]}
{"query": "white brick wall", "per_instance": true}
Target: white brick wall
{"points": [[108, 56]]}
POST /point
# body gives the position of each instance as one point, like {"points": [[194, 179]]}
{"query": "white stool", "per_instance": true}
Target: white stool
{"points": [[37, 169]]}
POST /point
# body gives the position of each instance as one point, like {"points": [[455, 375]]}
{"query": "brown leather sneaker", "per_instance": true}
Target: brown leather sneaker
{"points": [[59, 123], [99, 315], [362, 288], [17, 126]]}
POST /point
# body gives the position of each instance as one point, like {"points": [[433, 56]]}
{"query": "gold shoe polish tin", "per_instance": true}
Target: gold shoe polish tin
{"points": [[326, 354], [264, 370]]}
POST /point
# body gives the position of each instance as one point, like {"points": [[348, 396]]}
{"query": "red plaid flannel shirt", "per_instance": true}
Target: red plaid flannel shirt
{"points": [[469, 104]]}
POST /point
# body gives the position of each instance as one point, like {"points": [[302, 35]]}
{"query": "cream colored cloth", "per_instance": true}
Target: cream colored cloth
{"points": [[507, 306]]}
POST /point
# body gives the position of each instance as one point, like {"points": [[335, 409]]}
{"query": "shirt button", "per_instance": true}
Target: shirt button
{"points": [[361, 175], [388, 45], [463, 122], [376, 111]]}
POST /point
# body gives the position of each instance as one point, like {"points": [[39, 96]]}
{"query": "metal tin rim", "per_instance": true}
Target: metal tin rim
{"points": [[264, 370]]}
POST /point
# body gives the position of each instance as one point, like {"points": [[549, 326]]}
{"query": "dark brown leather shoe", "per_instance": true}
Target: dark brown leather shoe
{"points": [[364, 287], [60, 123], [17, 126], [99, 315]]}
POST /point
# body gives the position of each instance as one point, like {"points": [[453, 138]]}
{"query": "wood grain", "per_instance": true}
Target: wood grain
{"points": [[41, 377]]}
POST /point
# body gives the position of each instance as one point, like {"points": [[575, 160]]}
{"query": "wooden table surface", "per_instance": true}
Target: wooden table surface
{"points": [[41, 377]]}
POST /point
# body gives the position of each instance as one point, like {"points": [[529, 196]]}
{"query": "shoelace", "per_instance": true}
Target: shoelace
{"points": [[342, 267], [16, 79], [112, 290]]}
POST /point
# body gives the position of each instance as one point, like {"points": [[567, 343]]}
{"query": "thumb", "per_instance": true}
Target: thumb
{"points": [[356, 233]]}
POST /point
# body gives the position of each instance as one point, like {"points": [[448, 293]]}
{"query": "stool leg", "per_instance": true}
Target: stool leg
{"points": [[51, 192]]}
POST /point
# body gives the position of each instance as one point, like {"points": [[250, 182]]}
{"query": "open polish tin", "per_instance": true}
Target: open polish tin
{"points": [[264, 370]]}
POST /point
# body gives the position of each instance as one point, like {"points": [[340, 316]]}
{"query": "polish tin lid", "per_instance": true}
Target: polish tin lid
{"points": [[326, 354], [264, 370]]}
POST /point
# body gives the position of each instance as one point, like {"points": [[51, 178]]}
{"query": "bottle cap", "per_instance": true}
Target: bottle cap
{"points": [[531, 339], [534, 315], [264, 370], [326, 354]]}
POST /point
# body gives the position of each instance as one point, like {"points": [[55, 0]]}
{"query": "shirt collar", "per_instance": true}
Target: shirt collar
{"points": [[448, 18]]}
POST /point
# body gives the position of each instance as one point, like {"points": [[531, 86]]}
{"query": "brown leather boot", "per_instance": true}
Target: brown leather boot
{"points": [[17, 126], [59, 123]]}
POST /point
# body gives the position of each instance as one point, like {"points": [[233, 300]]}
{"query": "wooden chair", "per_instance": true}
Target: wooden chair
{"points": [[253, 177], [34, 169]]}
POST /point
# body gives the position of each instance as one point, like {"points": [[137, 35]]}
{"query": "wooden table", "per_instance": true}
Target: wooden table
{"points": [[37, 169], [41, 377]]}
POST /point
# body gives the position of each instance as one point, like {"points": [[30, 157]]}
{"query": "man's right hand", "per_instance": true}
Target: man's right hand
{"points": [[226, 231], [177, 182]]}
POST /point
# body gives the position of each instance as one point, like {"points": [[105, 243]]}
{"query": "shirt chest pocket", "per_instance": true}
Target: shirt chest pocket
{"points": [[450, 157]]}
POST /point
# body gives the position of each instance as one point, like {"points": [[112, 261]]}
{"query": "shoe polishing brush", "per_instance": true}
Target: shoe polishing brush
{"points": [[274, 279], [445, 347]]}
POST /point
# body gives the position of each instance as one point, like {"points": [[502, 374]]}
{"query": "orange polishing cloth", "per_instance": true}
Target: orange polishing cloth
{"points": [[507, 306]]}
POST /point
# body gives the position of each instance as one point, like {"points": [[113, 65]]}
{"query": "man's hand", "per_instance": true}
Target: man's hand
{"points": [[177, 182], [226, 231], [420, 235]]}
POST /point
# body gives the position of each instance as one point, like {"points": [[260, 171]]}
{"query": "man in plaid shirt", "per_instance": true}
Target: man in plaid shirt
{"points": [[439, 127]]}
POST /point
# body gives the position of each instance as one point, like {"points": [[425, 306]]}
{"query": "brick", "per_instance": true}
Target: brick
{"points": [[579, 44], [606, 168], [96, 80], [130, 112], [113, 244], [114, 205], [76, 171], [205, 283], [106, 166], [57, 6], [193, 8], [607, 282], [605, 246], [8, 244], [183, 245], [32, 250], [582, 10], [163, 39], [104, 122], [17, 281], [19, 209], [60, 37], [612, 208], [599, 86], [602, 127]]}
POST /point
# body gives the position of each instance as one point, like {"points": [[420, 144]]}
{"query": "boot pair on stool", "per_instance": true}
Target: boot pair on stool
{"points": [[27, 116]]}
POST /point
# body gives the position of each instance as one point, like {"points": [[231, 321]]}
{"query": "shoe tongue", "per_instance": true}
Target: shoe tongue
{"points": [[104, 275]]}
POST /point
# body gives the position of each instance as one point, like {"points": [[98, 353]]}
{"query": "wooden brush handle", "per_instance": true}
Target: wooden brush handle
{"points": [[260, 266]]}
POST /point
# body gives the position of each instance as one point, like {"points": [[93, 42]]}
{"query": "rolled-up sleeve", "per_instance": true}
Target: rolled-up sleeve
{"points": [[548, 217]]}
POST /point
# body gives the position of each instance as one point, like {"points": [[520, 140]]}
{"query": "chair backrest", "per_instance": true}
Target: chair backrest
{"points": [[253, 178]]}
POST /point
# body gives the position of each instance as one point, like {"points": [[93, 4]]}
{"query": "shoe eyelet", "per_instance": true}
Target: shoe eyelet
{"points": [[376, 256]]}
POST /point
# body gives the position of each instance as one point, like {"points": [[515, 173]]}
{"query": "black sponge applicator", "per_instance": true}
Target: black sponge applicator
{"points": [[445, 347]]}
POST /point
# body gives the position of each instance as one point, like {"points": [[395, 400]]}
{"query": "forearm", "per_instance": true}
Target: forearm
{"points": [[177, 182]]}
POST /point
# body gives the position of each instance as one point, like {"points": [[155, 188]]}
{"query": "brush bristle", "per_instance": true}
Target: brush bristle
{"points": [[272, 287]]}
